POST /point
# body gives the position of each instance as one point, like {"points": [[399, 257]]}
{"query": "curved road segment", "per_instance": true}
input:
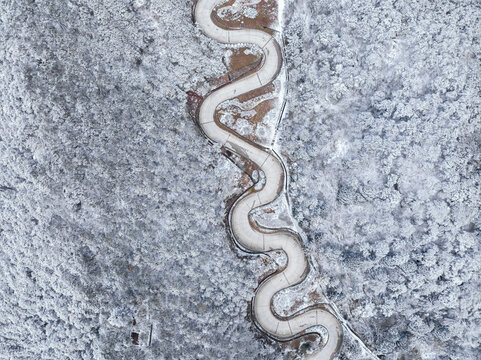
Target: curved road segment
{"points": [[246, 233]]}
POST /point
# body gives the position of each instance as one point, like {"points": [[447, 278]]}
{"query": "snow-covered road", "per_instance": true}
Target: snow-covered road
{"points": [[250, 236]]}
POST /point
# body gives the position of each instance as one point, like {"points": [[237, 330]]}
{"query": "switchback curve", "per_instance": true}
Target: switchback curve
{"points": [[247, 234]]}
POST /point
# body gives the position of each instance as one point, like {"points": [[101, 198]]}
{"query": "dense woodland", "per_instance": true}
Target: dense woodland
{"points": [[112, 204]]}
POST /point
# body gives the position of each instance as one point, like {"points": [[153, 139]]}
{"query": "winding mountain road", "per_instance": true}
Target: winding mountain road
{"points": [[249, 235]]}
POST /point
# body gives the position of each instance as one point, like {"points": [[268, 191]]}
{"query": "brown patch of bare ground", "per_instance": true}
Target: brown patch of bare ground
{"points": [[301, 343], [261, 109], [314, 296], [194, 101], [266, 89], [241, 64], [266, 16], [240, 59]]}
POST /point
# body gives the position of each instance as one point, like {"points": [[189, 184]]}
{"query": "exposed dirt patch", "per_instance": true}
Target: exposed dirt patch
{"points": [[266, 89], [241, 58], [260, 109], [220, 81], [194, 101], [237, 13], [301, 344], [314, 296], [297, 304], [242, 65]]}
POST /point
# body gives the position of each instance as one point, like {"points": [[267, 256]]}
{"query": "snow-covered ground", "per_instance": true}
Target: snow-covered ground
{"points": [[111, 203], [383, 136]]}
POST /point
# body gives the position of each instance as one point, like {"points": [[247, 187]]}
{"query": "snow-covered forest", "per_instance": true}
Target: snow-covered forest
{"points": [[112, 204], [384, 98]]}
